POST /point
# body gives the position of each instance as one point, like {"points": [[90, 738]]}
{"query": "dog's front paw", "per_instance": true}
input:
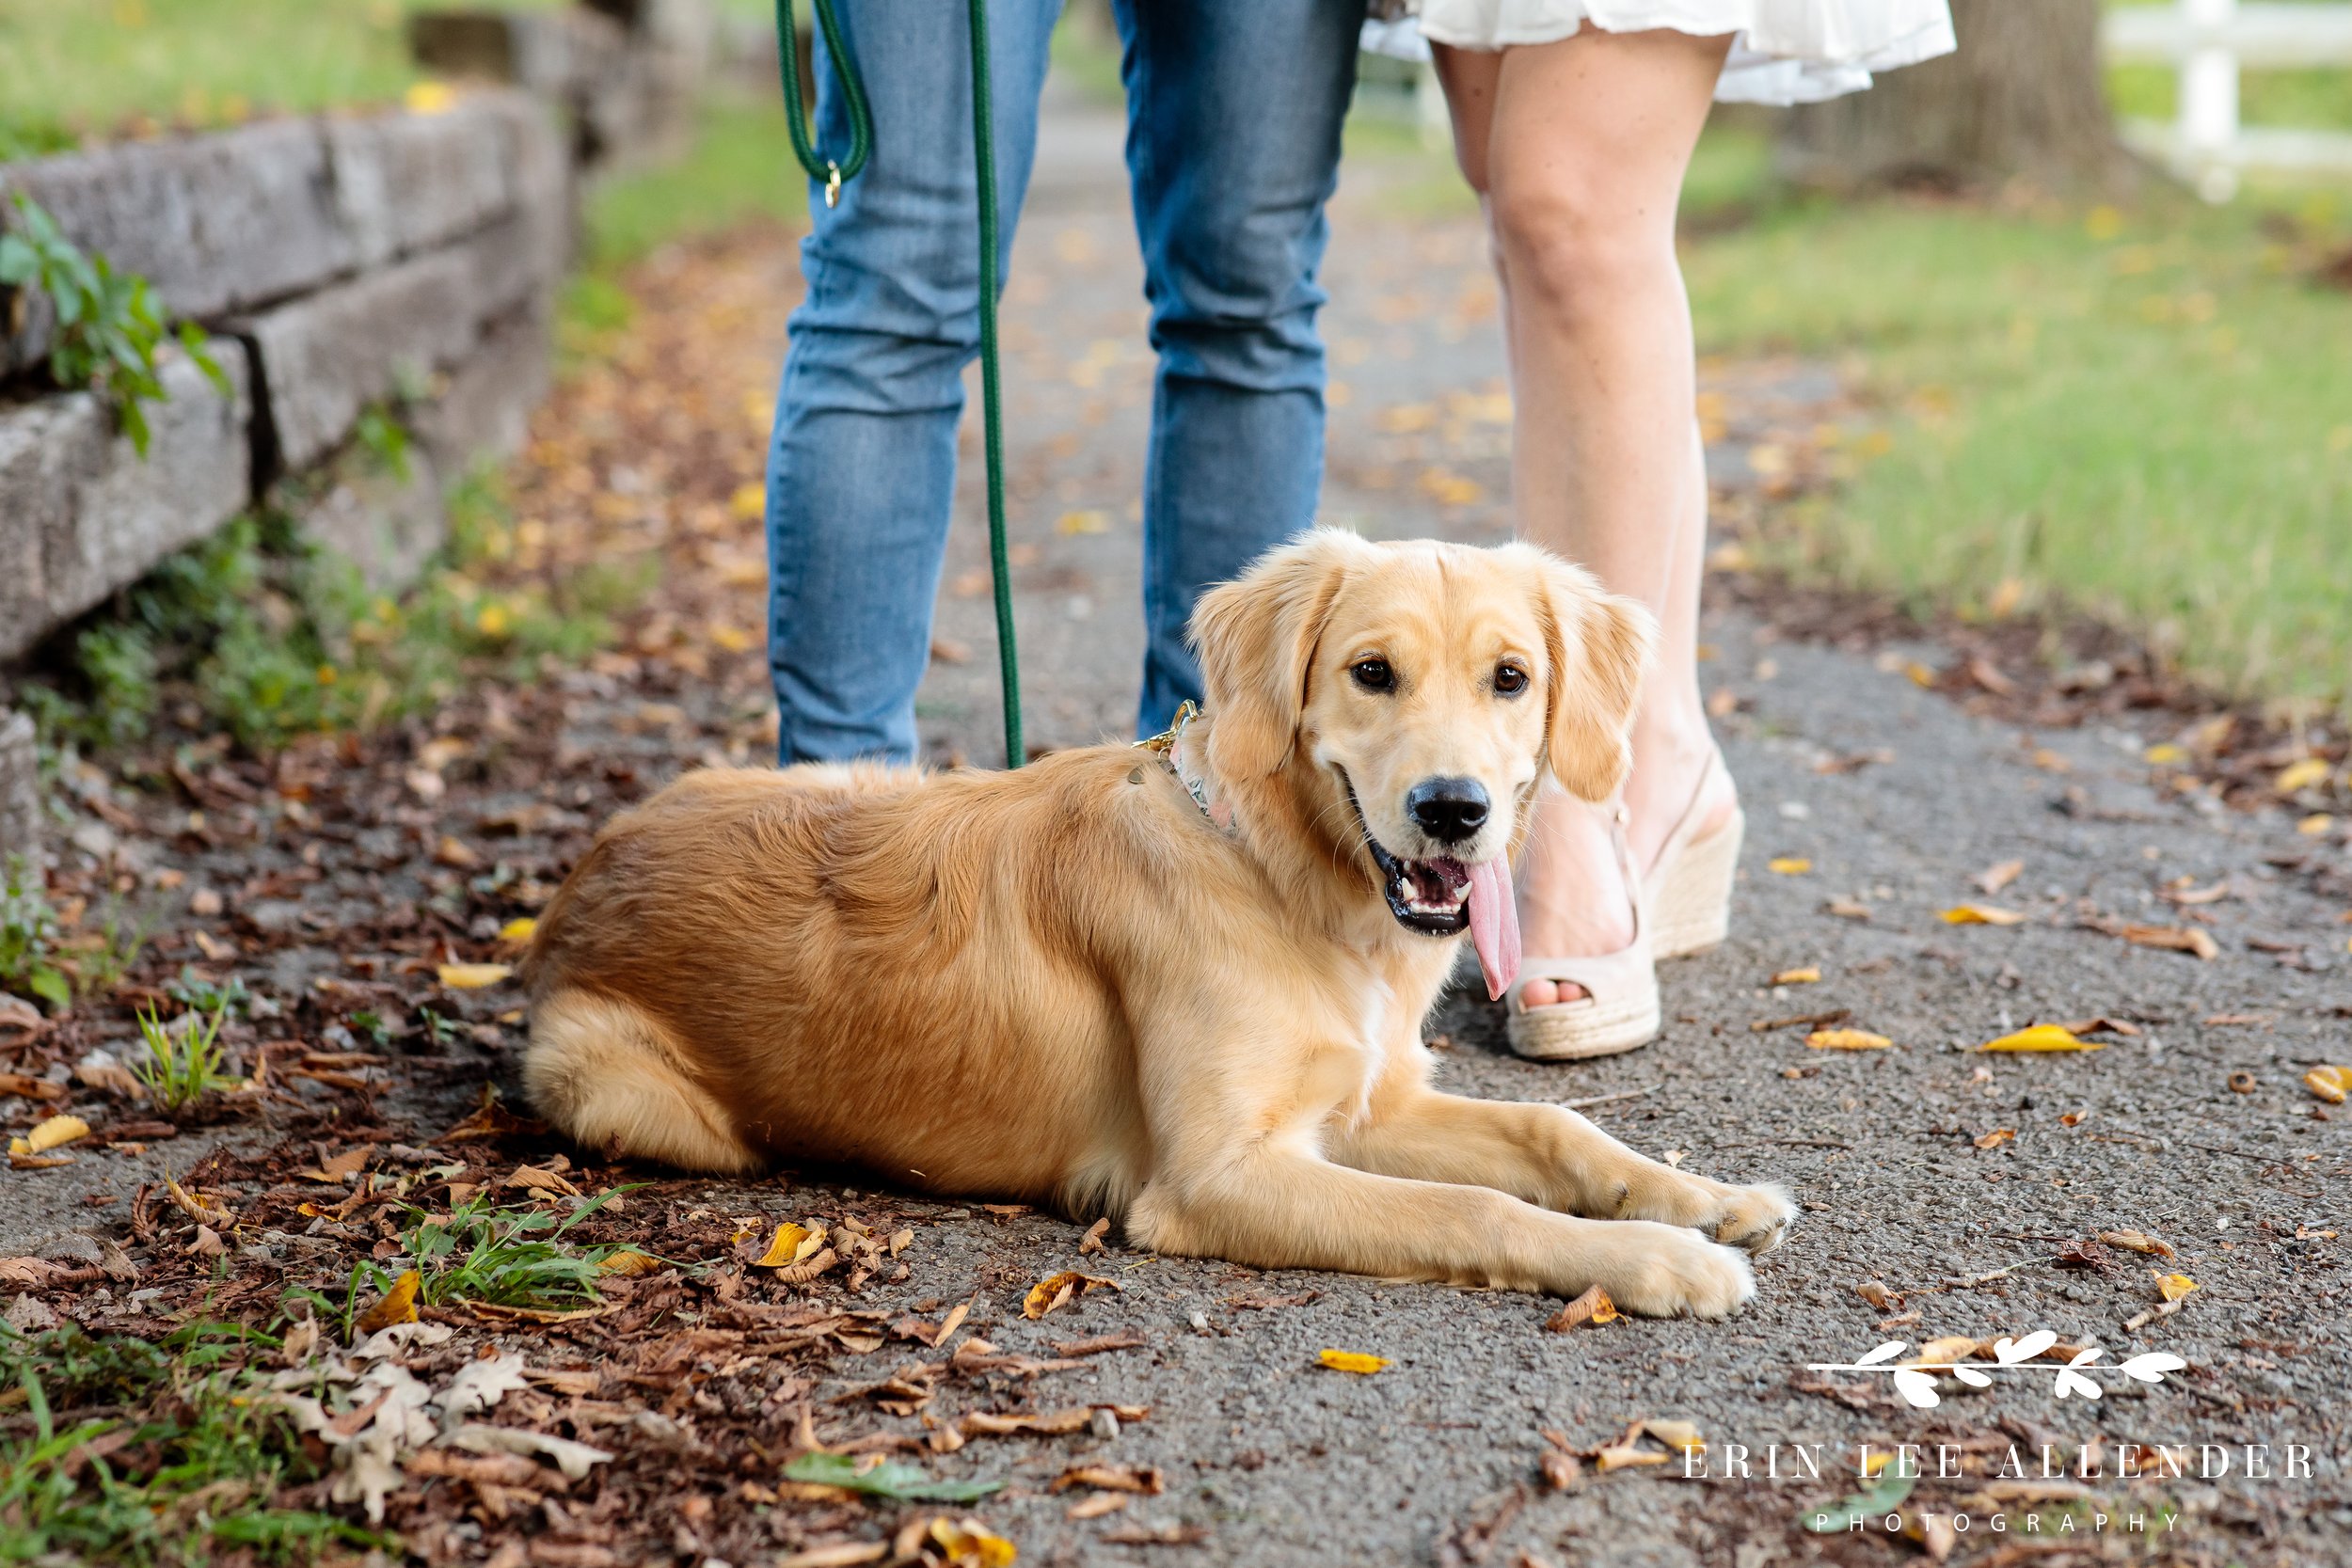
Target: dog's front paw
{"points": [[1660, 1271], [1754, 1218]]}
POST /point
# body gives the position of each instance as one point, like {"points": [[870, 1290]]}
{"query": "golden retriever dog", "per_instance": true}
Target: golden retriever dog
{"points": [[1182, 988]]}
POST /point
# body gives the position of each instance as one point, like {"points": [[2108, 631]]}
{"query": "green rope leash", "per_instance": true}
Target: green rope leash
{"points": [[992, 402]]}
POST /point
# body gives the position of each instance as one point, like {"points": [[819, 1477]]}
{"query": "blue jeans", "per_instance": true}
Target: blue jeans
{"points": [[1235, 109]]}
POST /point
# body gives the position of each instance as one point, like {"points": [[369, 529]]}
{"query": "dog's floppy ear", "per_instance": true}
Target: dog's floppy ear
{"points": [[1255, 637], [1598, 645]]}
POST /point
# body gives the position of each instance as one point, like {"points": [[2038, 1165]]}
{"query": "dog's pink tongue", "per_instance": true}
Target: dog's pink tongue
{"points": [[1494, 922]]}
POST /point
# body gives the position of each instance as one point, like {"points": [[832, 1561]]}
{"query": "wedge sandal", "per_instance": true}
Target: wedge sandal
{"points": [[1688, 890], [1618, 1011]]}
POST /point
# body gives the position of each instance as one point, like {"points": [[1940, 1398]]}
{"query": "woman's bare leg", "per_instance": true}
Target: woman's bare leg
{"points": [[1577, 150]]}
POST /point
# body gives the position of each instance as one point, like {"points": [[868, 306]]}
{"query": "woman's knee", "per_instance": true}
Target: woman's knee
{"points": [[1568, 241]]}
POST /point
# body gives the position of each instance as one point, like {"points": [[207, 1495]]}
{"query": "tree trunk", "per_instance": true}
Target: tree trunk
{"points": [[2024, 96]]}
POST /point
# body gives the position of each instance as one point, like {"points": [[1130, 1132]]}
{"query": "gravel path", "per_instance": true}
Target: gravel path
{"points": [[1944, 1191]]}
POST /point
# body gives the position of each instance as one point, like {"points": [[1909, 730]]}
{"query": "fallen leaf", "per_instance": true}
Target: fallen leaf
{"points": [[1789, 866], [2101, 1025], [55, 1133], [2329, 1083], [1998, 1136], [398, 1306], [630, 1264], [791, 1245], [30, 1088], [1089, 520], [2301, 775], [1803, 975], [1877, 1294], [1619, 1457], [1993, 878], [2043, 1036], [2316, 825], [1056, 1291], [1847, 1040], [1847, 909], [455, 855], [2082, 1255], [2172, 1287], [1167, 1532], [572, 1457], [1352, 1361], [1092, 1241], [473, 976], [519, 931], [2178, 939], [1945, 1351], [1096, 1505], [1146, 1480], [1682, 1436], [2165, 754], [2135, 1241], [1981, 914], [885, 1478], [1594, 1307]]}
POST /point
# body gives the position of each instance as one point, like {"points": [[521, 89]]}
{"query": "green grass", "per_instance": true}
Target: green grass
{"points": [[740, 168], [179, 1469], [2145, 414], [183, 1066], [73, 69], [506, 1257]]}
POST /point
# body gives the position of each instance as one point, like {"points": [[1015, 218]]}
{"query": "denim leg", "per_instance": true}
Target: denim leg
{"points": [[1235, 109], [860, 467]]}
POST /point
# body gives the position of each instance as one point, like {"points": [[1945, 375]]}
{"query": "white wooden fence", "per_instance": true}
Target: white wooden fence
{"points": [[2207, 43]]}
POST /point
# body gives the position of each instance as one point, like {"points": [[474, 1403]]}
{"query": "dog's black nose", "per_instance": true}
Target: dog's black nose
{"points": [[1448, 810]]}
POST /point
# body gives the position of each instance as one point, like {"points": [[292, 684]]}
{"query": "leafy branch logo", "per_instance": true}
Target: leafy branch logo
{"points": [[1915, 1380]]}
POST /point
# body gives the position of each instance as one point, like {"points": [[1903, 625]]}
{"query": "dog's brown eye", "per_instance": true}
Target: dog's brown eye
{"points": [[1374, 675], [1510, 680]]}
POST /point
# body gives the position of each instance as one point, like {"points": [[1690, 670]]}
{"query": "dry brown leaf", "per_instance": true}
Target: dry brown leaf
{"points": [[1878, 1295], [1594, 1307], [1847, 909], [1146, 1479], [1091, 1242], [2101, 1025], [2135, 1241], [1618, 1457], [1998, 1136], [1804, 975], [1993, 878], [30, 1088], [2177, 938], [194, 1205], [1096, 1505]]}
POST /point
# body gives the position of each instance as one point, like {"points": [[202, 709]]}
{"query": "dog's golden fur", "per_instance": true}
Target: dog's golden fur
{"points": [[1066, 984]]}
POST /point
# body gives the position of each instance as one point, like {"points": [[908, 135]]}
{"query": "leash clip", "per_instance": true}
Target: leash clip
{"points": [[1165, 743], [832, 184]]}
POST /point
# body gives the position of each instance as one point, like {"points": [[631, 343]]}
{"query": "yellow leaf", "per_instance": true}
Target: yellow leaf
{"points": [[2301, 775], [971, 1544], [1056, 1291], [1352, 1361], [734, 638], [1089, 520], [2315, 825], [1847, 1040], [399, 1306], [429, 98], [1920, 675], [1614, 1458], [791, 1243], [1981, 914], [1682, 1436], [473, 976], [1945, 1351], [630, 1263], [2330, 1084], [2164, 755], [2044, 1037], [2172, 1287], [1803, 975], [750, 501], [1789, 866], [53, 1134], [518, 931]]}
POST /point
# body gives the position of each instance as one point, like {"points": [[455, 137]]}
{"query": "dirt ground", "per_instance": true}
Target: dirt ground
{"points": [[1945, 1191]]}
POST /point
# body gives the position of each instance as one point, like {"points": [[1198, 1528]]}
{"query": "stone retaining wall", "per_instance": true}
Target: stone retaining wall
{"points": [[400, 259]]}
